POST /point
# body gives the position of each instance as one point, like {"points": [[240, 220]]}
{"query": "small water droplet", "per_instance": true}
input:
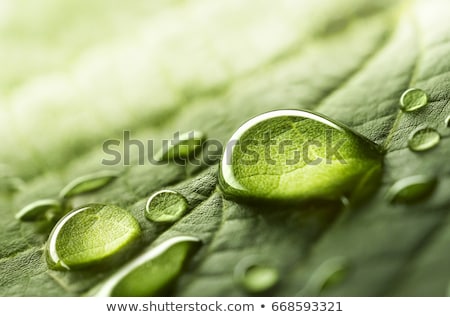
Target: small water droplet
{"points": [[447, 122], [411, 189], [424, 139], [329, 273], [255, 275], [9, 183], [166, 206], [413, 99], [152, 273], [88, 183], [293, 155], [38, 210], [182, 146], [90, 235]]}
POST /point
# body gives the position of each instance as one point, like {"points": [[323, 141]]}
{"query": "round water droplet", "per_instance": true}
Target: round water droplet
{"points": [[424, 139], [153, 272], [88, 183], [38, 210], [293, 155], [329, 273], [182, 146], [255, 276], [413, 99], [411, 189], [90, 235], [166, 206]]}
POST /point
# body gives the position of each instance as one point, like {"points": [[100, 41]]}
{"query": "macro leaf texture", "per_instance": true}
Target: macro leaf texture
{"points": [[74, 76]]}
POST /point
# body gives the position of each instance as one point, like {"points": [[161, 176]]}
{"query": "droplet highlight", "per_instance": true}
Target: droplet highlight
{"points": [[413, 99], [39, 210], [256, 276], [447, 122], [423, 140], [182, 146], [411, 189], [295, 155], [166, 206], [153, 272], [90, 235], [88, 183]]}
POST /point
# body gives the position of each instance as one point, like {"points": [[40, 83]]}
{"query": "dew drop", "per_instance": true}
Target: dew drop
{"points": [[411, 189], [88, 183], [182, 146], [166, 206], [413, 99], [331, 272], [38, 210], [424, 139], [90, 235], [153, 272], [293, 155], [447, 122], [9, 183], [255, 275]]}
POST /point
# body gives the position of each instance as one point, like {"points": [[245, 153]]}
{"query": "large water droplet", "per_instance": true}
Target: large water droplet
{"points": [[90, 235], [424, 139], [182, 146], [88, 183], [329, 273], [292, 155], [152, 273], [38, 210], [413, 99], [166, 206], [411, 189], [255, 275]]}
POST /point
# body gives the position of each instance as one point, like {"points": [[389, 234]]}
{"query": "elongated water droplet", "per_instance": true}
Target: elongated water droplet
{"points": [[152, 273], [38, 210], [90, 235], [329, 273], [447, 122], [292, 155], [413, 99], [182, 146], [411, 189], [424, 139], [88, 183], [255, 275], [166, 206]]}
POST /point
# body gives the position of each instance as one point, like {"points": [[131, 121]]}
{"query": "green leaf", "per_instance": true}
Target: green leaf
{"points": [[170, 66]]}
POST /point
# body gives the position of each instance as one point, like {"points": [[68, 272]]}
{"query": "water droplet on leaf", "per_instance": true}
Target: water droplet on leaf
{"points": [[413, 99], [293, 155], [88, 183], [9, 183], [153, 272], [166, 206], [38, 210], [424, 139], [411, 189], [182, 146], [255, 275], [89, 236], [329, 273], [447, 122]]}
